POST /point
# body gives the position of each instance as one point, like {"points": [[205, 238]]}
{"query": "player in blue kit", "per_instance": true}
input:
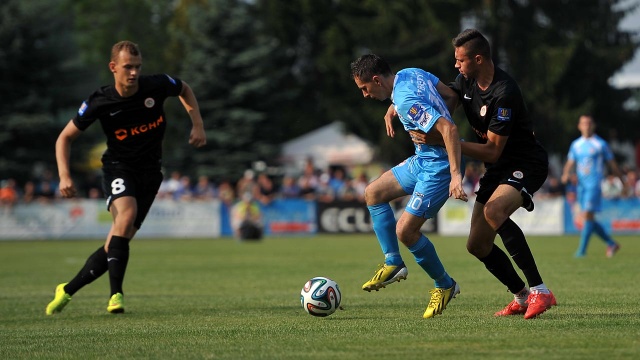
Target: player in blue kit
{"points": [[589, 154], [430, 176]]}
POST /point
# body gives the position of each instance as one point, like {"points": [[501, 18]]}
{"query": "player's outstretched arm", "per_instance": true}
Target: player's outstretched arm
{"points": [[63, 154], [197, 138], [449, 96], [451, 139]]}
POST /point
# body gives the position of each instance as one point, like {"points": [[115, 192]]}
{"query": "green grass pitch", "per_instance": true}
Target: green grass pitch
{"points": [[221, 299]]}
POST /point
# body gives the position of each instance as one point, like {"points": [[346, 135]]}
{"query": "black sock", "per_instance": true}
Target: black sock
{"points": [[95, 266], [516, 244], [498, 263], [117, 257]]}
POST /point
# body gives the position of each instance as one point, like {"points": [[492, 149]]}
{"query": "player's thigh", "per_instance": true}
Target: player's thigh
{"points": [[590, 199], [150, 184], [429, 195], [504, 201], [481, 234], [383, 189]]}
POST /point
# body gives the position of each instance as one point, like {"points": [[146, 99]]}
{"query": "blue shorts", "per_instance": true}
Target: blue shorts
{"points": [[589, 198], [428, 183]]}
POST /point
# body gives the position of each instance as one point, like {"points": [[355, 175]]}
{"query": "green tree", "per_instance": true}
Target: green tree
{"points": [[38, 70], [563, 55], [234, 68]]}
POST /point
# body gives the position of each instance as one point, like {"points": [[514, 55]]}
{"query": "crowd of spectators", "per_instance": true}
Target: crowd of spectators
{"points": [[334, 183]]}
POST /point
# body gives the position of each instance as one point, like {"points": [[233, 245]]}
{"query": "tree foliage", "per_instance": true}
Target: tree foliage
{"points": [[267, 71]]}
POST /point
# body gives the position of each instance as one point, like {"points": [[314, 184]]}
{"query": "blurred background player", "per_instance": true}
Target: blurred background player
{"points": [[588, 155], [132, 117], [430, 176]]}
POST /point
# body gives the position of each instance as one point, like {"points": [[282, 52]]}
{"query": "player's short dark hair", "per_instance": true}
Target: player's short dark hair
{"points": [[366, 66], [474, 43], [130, 47]]}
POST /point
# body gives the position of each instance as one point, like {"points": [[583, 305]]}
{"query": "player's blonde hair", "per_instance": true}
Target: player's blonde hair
{"points": [[130, 47]]}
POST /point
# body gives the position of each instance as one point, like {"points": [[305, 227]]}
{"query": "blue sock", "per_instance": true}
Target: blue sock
{"points": [[427, 258], [384, 225], [587, 230], [599, 230]]}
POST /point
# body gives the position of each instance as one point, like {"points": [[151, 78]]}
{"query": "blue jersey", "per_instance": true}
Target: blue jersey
{"points": [[590, 155], [419, 106]]}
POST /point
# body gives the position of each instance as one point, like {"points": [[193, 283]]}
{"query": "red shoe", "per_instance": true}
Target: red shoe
{"points": [[512, 309], [539, 303], [612, 250]]}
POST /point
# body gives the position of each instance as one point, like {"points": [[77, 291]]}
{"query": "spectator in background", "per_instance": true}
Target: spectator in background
{"points": [[337, 179], [552, 188], [8, 194], [348, 191], [307, 187], [45, 192], [265, 191], [309, 179], [169, 186], [226, 193], [612, 187], [360, 184], [29, 192], [637, 154], [246, 218], [289, 188], [184, 192], [324, 192], [204, 189], [588, 155], [631, 184], [247, 184]]}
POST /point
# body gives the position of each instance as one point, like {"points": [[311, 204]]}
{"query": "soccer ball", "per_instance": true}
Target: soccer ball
{"points": [[320, 296]]}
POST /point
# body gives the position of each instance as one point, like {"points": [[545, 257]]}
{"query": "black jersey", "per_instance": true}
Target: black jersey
{"points": [[502, 110], [134, 125]]}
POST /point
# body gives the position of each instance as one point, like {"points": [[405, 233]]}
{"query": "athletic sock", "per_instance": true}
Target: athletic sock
{"points": [[426, 256], [540, 289], [521, 297], [585, 235], [498, 264], [94, 267], [384, 225], [117, 258], [516, 244], [599, 230]]}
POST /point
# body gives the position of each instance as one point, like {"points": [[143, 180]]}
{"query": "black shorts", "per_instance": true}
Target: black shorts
{"points": [[121, 180], [527, 179]]}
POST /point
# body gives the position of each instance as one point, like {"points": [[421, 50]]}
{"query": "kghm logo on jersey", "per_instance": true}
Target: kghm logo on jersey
{"points": [[122, 134]]}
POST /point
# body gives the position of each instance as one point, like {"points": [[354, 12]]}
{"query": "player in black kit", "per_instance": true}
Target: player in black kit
{"points": [[132, 118], [516, 166]]}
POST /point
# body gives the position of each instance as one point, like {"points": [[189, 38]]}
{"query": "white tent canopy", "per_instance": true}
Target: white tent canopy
{"points": [[328, 145]]}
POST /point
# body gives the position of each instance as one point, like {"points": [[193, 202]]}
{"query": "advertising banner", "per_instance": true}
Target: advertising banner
{"points": [[85, 218], [546, 219], [621, 216]]}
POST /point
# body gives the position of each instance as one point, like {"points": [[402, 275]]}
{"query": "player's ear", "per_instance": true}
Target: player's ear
{"points": [[478, 59], [112, 66], [376, 80]]}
